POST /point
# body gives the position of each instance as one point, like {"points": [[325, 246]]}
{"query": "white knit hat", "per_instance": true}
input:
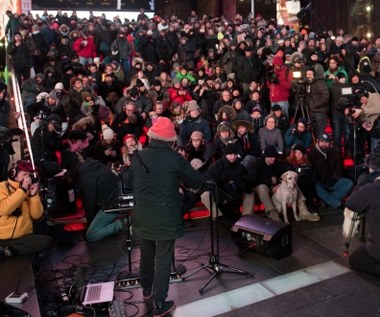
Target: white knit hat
{"points": [[107, 133]]}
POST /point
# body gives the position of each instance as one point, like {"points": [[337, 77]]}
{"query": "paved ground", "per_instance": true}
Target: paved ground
{"points": [[313, 281]]}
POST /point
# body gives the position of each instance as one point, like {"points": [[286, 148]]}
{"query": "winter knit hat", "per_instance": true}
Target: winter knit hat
{"points": [[299, 147], [163, 130], [277, 60], [270, 151], [193, 105], [197, 135], [107, 132], [303, 121], [231, 148]]}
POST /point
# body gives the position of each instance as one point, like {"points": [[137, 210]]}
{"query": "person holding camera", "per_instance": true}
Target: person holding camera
{"points": [[369, 111], [85, 47], [20, 205], [364, 200], [279, 82]]}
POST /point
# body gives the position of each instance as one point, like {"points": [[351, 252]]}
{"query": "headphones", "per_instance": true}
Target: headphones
{"points": [[13, 171], [20, 165]]}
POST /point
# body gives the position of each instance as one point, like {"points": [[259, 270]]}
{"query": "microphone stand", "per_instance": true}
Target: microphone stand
{"points": [[214, 266], [301, 14]]}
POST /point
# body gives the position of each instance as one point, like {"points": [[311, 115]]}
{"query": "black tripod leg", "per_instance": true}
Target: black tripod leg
{"points": [[235, 270], [202, 289], [204, 266]]}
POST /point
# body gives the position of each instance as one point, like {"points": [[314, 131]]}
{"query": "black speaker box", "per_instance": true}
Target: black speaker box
{"points": [[60, 198], [269, 237]]}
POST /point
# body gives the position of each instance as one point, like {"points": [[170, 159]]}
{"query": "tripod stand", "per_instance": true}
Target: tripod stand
{"points": [[301, 106], [354, 219], [214, 266]]}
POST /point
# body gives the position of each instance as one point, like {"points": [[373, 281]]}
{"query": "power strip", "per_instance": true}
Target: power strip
{"points": [[133, 282], [16, 298], [117, 309]]}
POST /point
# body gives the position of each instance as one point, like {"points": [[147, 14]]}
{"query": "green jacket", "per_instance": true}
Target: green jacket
{"points": [[340, 69], [157, 206]]}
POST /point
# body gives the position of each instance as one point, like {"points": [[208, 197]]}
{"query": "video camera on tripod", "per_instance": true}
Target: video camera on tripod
{"points": [[300, 88], [300, 91]]}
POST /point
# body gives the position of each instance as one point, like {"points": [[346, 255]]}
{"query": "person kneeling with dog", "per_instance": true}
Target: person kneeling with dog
{"points": [[268, 171]]}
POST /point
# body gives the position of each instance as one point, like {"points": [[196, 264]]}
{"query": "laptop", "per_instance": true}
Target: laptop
{"points": [[98, 293], [91, 294]]}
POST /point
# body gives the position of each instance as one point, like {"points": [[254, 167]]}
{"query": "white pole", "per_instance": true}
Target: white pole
{"points": [[22, 121], [253, 8]]}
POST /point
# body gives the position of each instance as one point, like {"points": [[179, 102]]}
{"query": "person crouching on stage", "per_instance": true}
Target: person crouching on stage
{"points": [[98, 186], [20, 205], [154, 177], [365, 200]]}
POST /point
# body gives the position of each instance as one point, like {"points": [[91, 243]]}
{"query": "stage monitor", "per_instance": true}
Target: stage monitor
{"points": [[272, 238]]}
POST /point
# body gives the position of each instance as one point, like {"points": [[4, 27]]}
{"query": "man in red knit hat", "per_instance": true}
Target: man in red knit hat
{"points": [[154, 177]]}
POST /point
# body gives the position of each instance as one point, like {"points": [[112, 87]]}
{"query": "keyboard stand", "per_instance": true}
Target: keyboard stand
{"points": [[126, 275]]}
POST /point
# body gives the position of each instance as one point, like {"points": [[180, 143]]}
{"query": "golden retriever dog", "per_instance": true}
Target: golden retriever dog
{"points": [[286, 194]]}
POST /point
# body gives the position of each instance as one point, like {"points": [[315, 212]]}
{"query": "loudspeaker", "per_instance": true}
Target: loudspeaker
{"points": [[60, 199], [269, 237]]}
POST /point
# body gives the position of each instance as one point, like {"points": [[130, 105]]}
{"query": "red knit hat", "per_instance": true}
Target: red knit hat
{"points": [[277, 60], [163, 130], [129, 136]]}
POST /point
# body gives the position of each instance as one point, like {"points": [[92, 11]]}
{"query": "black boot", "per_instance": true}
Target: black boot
{"points": [[163, 308]]}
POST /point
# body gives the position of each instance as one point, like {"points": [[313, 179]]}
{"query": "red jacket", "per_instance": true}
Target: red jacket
{"points": [[281, 91], [175, 97], [85, 51]]}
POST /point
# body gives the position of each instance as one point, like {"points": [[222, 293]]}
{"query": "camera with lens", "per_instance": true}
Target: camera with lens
{"points": [[300, 87], [272, 77], [35, 178], [349, 100]]}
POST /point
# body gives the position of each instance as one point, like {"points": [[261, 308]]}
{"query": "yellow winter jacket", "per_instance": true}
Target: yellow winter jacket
{"points": [[13, 196]]}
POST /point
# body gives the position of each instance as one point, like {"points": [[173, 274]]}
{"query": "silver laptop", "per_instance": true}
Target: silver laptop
{"points": [[92, 293], [98, 293]]}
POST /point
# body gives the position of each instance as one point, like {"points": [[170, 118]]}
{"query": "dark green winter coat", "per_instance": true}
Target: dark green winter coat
{"points": [[157, 205]]}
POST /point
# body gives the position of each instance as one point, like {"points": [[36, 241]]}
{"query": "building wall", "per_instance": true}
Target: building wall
{"points": [[330, 15], [229, 9]]}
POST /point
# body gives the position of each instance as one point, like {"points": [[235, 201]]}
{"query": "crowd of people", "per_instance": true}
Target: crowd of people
{"points": [[92, 88]]}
